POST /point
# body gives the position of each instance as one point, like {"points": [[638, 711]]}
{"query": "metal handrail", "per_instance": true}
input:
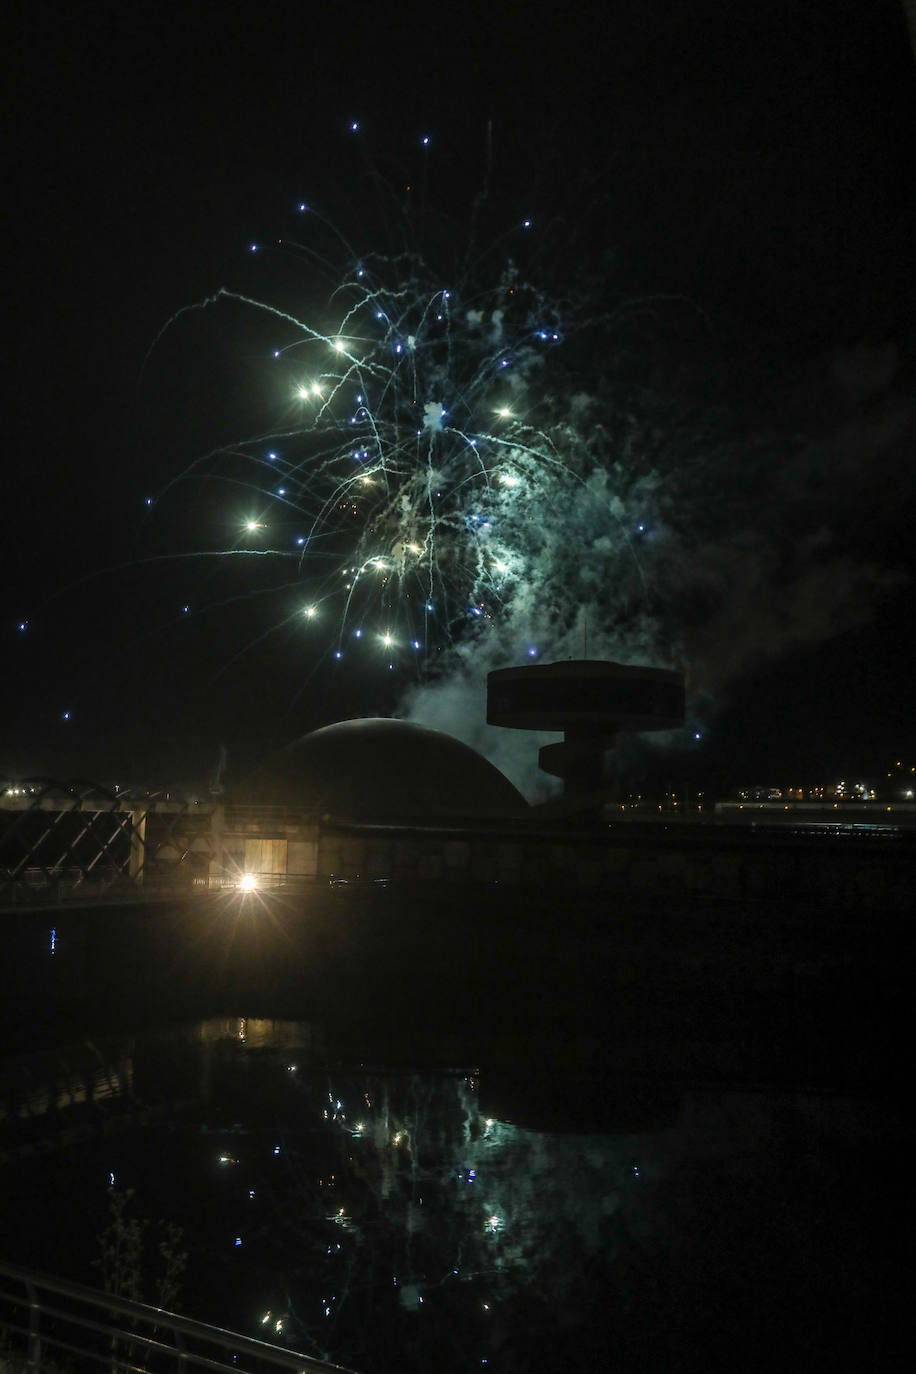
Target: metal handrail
{"points": [[45, 1317]]}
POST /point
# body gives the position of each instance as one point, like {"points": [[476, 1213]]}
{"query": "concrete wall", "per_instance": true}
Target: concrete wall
{"points": [[693, 862], [685, 861]]}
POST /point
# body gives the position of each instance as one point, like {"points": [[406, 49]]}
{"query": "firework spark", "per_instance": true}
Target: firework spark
{"points": [[434, 474], [480, 450]]}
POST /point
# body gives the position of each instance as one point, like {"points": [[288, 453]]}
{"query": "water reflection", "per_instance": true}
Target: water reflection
{"points": [[554, 1218], [53, 1083]]}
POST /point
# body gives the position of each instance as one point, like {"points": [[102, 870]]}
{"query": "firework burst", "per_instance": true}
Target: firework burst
{"points": [[436, 476]]}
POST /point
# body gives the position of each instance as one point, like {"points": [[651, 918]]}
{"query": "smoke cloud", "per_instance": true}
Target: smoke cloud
{"points": [[718, 545]]}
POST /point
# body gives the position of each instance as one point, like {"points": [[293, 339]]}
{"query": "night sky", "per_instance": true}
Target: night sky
{"points": [[728, 188]]}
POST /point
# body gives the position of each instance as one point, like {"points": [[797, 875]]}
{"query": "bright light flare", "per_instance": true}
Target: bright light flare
{"points": [[248, 882]]}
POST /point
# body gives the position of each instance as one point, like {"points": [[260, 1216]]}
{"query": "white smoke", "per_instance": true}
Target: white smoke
{"points": [[717, 554]]}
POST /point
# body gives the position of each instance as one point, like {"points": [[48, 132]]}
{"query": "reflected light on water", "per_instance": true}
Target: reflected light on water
{"points": [[390, 1219]]}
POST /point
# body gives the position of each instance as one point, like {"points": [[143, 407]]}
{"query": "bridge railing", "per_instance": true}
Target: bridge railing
{"points": [[52, 1324]]}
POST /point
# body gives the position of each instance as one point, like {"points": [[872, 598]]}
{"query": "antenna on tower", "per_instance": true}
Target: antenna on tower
{"points": [[216, 782]]}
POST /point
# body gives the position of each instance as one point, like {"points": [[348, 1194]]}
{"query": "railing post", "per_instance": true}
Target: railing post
{"points": [[137, 844]]}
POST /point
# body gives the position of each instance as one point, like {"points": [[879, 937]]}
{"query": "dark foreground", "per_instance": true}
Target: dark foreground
{"points": [[413, 1220], [473, 1129]]}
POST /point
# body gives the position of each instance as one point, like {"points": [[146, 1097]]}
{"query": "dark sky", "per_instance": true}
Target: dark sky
{"points": [[756, 160]]}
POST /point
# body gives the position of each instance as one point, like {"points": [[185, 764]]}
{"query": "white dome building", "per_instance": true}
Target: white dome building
{"points": [[384, 772], [367, 800]]}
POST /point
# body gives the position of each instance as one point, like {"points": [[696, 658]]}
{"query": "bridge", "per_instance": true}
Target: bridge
{"points": [[76, 843], [80, 842]]}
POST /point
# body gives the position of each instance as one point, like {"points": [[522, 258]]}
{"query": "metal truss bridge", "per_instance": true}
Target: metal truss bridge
{"points": [[77, 842]]}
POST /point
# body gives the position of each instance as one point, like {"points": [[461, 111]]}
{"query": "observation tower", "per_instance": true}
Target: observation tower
{"points": [[591, 703]]}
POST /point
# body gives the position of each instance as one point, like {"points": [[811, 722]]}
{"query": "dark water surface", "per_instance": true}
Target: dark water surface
{"points": [[546, 1214]]}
